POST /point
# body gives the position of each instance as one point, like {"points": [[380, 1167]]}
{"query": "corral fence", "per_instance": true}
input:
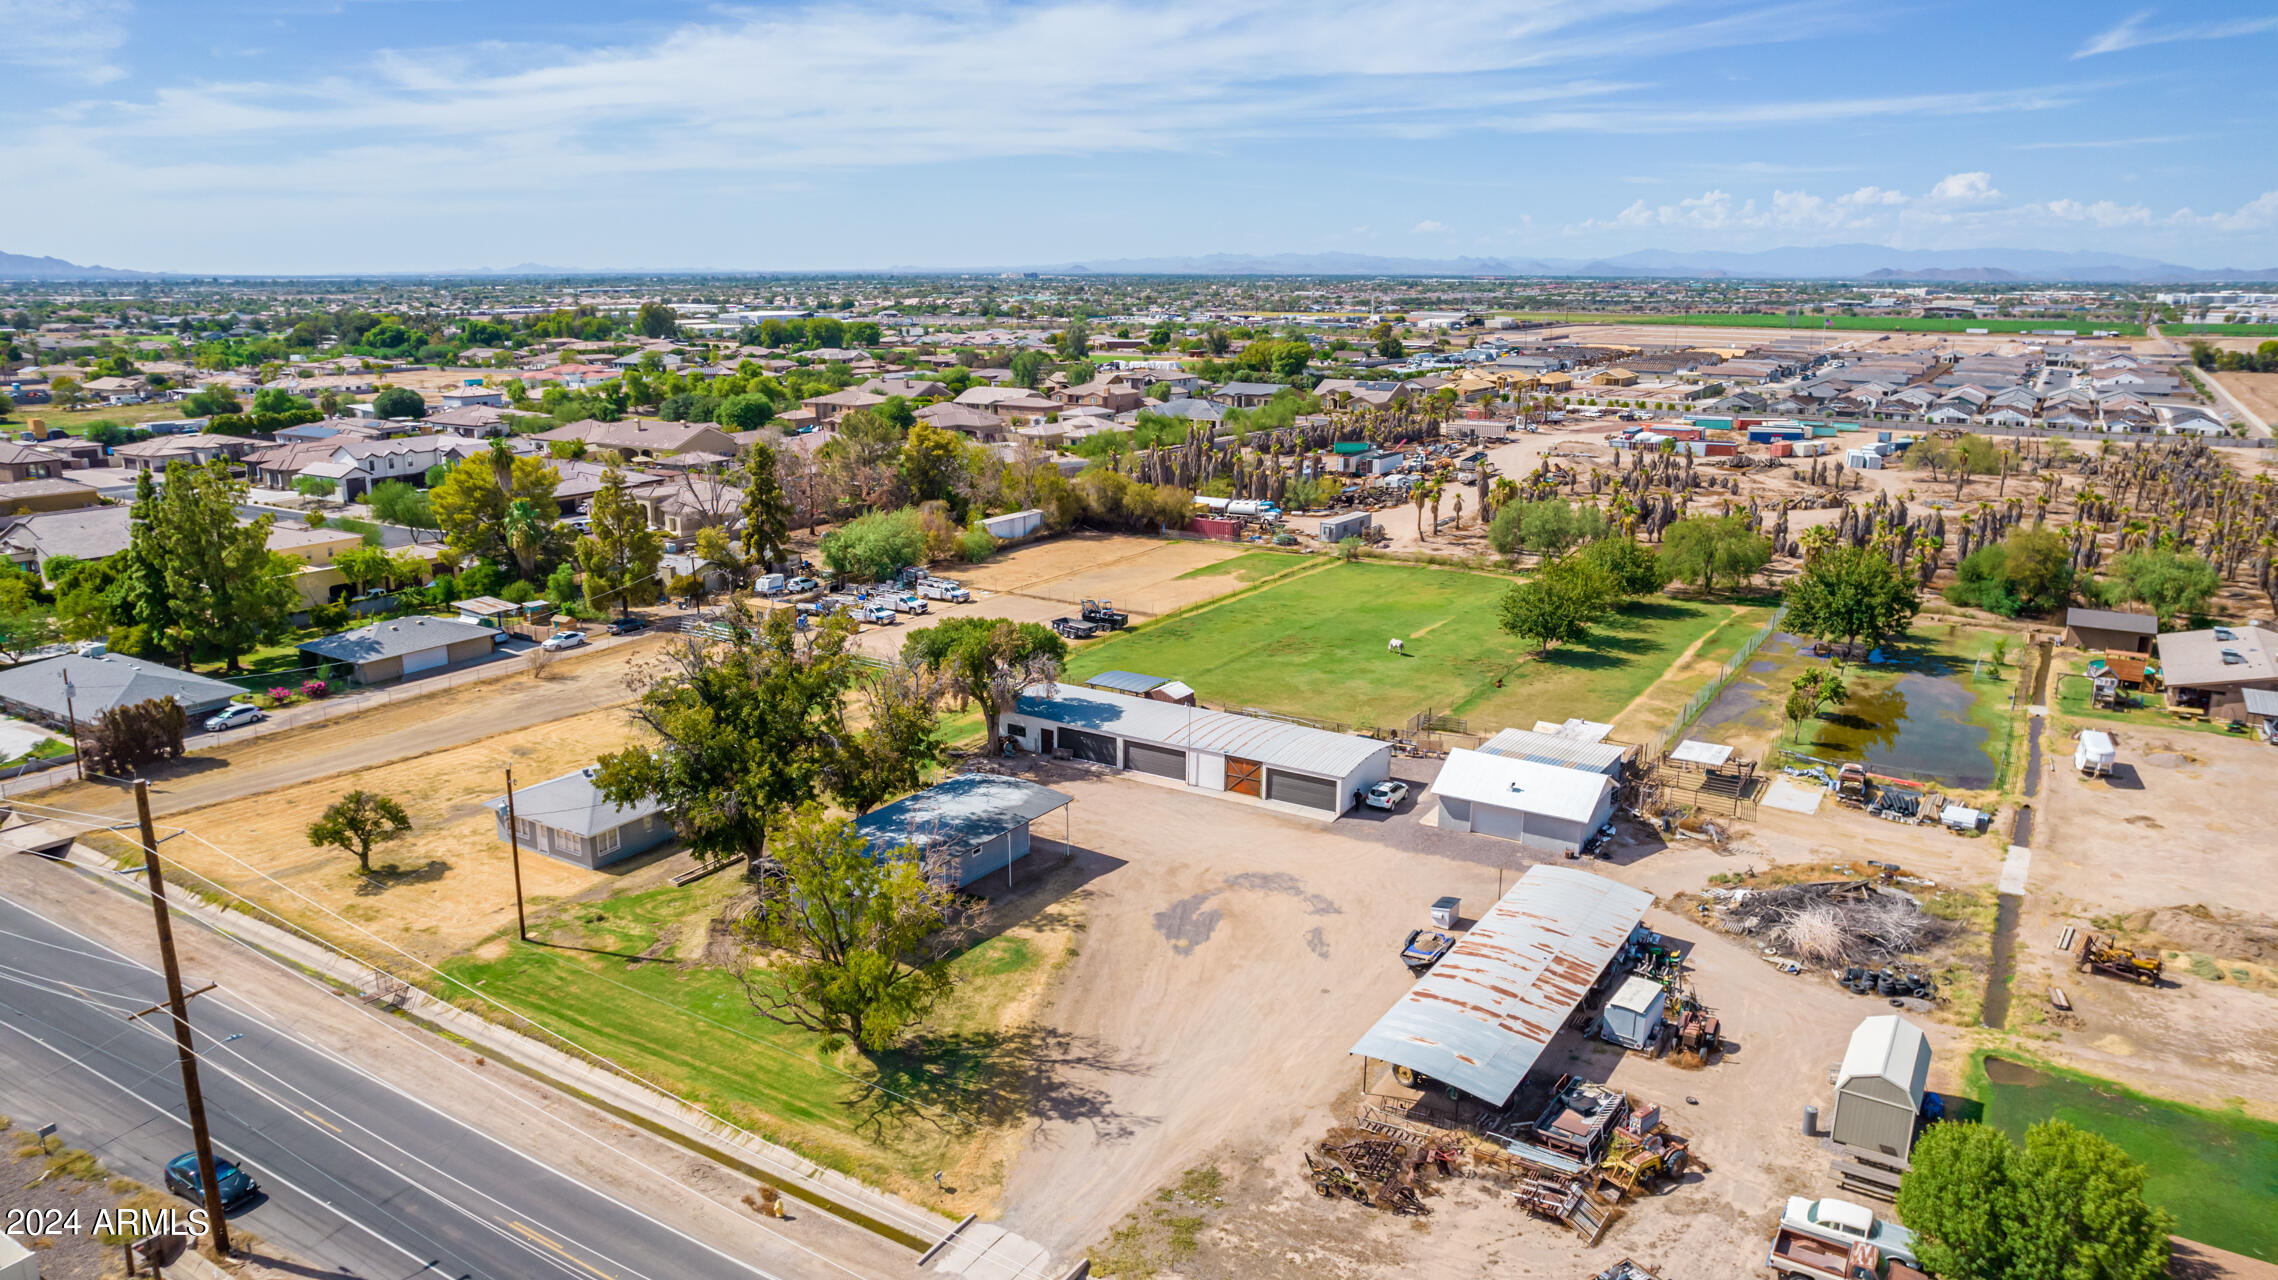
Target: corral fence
{"points": [[1658, 745]]}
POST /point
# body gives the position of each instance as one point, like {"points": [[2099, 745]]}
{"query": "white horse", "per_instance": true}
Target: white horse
{"points": [[1394, 646]]}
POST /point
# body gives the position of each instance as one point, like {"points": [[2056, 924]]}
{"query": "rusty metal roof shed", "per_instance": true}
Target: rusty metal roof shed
{"points": [[1486, 1011]]}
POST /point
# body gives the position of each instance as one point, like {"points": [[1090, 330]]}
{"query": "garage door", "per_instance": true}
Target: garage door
{"points": [[1493, 820], [1163, 762], [1297, 788], [1095, 747], [426, 659], [1244, 776]]}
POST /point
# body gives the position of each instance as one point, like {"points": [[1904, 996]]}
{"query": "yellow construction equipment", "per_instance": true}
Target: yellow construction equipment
{"points": [[2105, 955]]}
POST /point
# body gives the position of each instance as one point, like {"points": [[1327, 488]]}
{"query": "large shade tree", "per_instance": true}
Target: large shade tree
{"points": [[988, 661]]}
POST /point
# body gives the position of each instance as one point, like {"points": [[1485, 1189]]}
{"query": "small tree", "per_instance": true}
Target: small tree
{"points": [[1557, 606], [2067, 1206], [1703, 550], [399, 402], [358, 821], [856, 944], [1851, 592], [315, 486], [124, 738], [1631, 568], [2174, 583]]}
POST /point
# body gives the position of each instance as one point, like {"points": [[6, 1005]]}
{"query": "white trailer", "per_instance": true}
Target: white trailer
{"points": [[2094, 753]]}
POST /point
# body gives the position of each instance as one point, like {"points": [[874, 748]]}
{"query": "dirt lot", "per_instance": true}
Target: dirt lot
{"points": [[440, 889], [1046, 580], [449, 717], [2154, 851], [2257, 391], [1271, 938]]}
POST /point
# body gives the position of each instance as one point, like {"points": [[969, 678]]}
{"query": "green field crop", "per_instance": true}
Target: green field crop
{"points": [[1872, 324], [2221, 330]]}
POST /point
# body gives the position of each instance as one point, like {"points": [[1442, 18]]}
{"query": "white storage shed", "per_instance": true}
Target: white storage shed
{"points": [[1879, 1087], [1632, 1019], [1542, 806], [1293, 764]]}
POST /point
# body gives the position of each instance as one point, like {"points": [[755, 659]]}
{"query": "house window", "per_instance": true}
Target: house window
{"points": [[527, 828], [606, 842]]}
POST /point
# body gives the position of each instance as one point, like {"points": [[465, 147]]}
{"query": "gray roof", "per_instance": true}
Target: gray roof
{"points": [[111, 680], [2218, 656], [83, 533], [2142, 624], [394, 638], [1484, 1014], [1297, 747], [571, 803], [1187, 407], [969, 809], [2261, 702], [1130, 682], [1557, 749], [1251, 389]]}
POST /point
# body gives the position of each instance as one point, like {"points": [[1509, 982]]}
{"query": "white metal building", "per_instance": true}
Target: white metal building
{"points": [[1558, 749], [1878, 1089], [1542, 806], [1208, 750]]}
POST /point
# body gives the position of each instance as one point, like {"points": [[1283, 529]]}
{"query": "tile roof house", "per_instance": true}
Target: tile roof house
{"points": [[965, 419], [199, 448], [635, 436]]}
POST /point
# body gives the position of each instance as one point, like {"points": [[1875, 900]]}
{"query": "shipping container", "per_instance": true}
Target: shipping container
{"points": [[1783, 449], [1823, 429], [1714, 424], [1212, 527]]}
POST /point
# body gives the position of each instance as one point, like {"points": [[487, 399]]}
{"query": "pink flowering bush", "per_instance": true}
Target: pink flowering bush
{"points": [[314, 688], [280, 695]]}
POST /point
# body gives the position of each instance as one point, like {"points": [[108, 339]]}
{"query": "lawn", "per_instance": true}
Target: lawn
{"points": [[1252, 567], [2073, 703], [76, 421], [2222, 330], [1880, 324], [627, 978], [2216, 1171], [1314, 644]]}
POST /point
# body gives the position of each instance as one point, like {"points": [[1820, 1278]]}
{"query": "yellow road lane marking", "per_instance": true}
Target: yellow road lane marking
{"points": [[321, 1120], [573, 1258]]}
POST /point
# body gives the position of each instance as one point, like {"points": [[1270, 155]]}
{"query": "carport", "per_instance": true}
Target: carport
{"points": [[1275, 760], [967, 826]]}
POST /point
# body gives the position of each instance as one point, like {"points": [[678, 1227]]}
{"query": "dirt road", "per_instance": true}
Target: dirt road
{"points": [[447, 718]]}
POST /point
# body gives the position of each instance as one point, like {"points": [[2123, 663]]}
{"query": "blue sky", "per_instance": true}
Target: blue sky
{"points": [[348, 135]]}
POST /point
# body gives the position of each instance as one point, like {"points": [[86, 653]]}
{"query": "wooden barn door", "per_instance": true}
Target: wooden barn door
{"points": [[1245, 776]]}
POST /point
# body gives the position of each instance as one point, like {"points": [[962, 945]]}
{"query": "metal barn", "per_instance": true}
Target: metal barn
{"points": [[1879, 1087]]}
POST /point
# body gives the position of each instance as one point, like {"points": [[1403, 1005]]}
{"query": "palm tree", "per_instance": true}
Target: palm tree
{"points": [[525, 531], [1433, 489], [1416, 495], [502, 465]]}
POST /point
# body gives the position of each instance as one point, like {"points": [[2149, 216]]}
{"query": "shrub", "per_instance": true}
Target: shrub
{"points": [[329, 617], [976, 544], [314, 688], [280, 695], [126, 737]]}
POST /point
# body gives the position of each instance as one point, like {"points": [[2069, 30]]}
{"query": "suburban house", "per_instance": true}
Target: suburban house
{"points": [[1246, 395], [2106, 629], [84, 533], [836, 405], [25, 496], [197, 449], [475, 421], [318, 550], [2211, 670], [683, 504], [27, 462], [636, 436], [1208, 413], [355, 466], [401, 647], [966, 420], [53, 691], [471, 397], [1107, 392], [1014, 405], [567, 818]]}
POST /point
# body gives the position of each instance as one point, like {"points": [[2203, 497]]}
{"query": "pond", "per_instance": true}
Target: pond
{"points": [[2217, 1173], [1908, 716]]}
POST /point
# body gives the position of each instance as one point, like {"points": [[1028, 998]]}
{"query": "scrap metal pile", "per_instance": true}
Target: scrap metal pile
{"points": [[1382, 1172], [1832, 924]]}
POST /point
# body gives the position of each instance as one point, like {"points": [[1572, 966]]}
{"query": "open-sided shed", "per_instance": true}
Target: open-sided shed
{"points": [[969, 825], [1485, 1013]]}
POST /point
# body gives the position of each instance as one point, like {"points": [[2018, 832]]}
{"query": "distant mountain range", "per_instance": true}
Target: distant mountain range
{"points": [[1865, 263]]}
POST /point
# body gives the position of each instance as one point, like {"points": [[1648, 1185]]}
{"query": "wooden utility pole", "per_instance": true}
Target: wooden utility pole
{"points": [[194, 1099], [514, 844], [78, 759]]}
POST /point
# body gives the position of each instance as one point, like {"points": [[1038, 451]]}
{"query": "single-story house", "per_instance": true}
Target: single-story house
{"points": [[27, 462], [635, 436], [1311, 769], [197, 448], [965, 828], [1542, 806], [24, 497], [2100, 629], [83, 533], [2212, 669], [567, 818], [51, 691], [1247, 395], [472, 397], [404, 646], [964, 419]]}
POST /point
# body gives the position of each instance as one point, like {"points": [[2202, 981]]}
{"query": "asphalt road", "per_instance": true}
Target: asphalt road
{"points": [[359, 1178]]}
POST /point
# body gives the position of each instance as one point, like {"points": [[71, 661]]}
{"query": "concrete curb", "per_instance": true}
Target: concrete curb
{"points": [[882, 1214]]}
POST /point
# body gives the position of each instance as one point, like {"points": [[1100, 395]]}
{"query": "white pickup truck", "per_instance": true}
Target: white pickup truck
{"points": [[943, 589], [1838, 1240]]}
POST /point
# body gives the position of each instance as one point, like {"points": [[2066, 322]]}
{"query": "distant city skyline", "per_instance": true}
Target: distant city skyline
{"points": [[393, 135]]}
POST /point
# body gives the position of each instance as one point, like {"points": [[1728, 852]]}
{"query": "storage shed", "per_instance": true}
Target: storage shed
{"points": [[2095, 629], [1484, 1014], [1879, 1087], [1014, 524], [1352, 524], [1219, 751], [1632, 1019], [968, 826], [1156, 688], [1542, 806]]}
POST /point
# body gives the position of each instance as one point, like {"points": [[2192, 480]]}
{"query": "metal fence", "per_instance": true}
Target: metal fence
{"points": [[1658, 745]]}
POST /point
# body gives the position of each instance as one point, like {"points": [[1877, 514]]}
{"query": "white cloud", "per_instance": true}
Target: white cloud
{"points": [[75, 37], [1965, 188], [1871, 197], [1428, 226], [2102, 213], [2133, 32]]}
